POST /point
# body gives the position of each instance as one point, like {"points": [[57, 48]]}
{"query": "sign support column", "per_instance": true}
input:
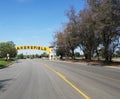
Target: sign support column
{"points": [[51, 53]]}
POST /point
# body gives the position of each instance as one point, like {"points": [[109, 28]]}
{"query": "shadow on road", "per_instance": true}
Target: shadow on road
{"points": [[3, 84]]}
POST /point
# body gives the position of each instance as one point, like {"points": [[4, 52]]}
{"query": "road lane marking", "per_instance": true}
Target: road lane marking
{"points": [[99, 75], [61, 75], [67, 81]]}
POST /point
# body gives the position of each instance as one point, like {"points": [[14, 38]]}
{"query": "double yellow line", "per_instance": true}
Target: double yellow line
{"points": [[67, 81]]}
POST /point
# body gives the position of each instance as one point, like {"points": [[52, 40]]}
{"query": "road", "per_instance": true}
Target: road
{"points": [[43, 79]]}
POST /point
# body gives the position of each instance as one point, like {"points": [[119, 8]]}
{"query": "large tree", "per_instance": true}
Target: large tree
{"points": [[7, 48], [71, 31], [106, 15], [87, 37], [60, 44], [95, 28]]}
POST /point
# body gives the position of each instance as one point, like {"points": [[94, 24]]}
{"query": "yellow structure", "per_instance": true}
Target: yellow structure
{"points": [[47, 49], [33, 48]]}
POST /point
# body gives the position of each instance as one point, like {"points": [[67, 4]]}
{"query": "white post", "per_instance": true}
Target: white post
{"points": [[51, 54]]}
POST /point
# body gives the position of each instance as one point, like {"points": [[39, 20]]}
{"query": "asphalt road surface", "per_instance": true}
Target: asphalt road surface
{"points": [[43, 79]]}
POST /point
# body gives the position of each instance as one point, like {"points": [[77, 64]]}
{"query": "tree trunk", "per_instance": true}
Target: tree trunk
{"points": [[98, 56], [88, 55], [61, 56], [106, 43], [107, 54], [73, 55]]}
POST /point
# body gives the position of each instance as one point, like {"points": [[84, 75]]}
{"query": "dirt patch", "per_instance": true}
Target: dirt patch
{"points": [[94, 62]]}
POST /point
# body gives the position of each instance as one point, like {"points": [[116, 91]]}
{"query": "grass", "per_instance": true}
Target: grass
{"points": [[4, 64]]}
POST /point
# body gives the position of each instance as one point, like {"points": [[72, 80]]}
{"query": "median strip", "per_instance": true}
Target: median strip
{"points": [[67, 81]]}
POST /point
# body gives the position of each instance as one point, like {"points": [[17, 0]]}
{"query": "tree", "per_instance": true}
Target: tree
{"points": [[88, 41], [118, 53], [59, 43], [7, 48], [77, 54], [20, 56], [96, 30], [71, 31], [106, 15], [44, 55], [71, 40], [37, 56]]}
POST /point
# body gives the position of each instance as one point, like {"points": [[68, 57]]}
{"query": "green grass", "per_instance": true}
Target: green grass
{"points": [[4, 64]]}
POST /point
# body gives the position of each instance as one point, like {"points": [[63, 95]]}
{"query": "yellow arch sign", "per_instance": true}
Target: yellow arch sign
{"points": [[33, 48]]}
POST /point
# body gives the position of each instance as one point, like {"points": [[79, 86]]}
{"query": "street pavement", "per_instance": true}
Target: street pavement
{"points": [[44, 79]]}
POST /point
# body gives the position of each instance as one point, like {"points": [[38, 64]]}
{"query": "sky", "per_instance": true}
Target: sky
{"points": [[33, 22]]}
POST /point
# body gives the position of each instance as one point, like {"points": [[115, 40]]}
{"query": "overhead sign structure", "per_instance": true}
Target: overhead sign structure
{"points": [[47, 49], [33, 48]]}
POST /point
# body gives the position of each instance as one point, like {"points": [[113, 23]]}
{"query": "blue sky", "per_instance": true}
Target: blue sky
{"points": [[33, 22]]}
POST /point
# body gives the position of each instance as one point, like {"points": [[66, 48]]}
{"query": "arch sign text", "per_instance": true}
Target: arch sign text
{"points": [[33, 48]]}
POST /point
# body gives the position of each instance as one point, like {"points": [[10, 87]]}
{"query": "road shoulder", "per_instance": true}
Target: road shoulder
{"points": [[112, 66]]}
